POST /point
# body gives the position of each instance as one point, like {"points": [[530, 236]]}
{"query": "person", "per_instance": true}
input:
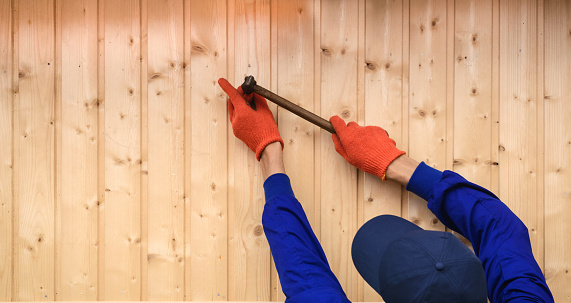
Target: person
{"points": [[400, 260]]}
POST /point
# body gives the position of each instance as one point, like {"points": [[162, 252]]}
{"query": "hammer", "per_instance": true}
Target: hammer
{"points": [[249, 86]]}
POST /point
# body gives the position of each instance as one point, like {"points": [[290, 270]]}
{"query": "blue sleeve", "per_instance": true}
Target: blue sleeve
{"points": [[498, 236], [303, 269]]}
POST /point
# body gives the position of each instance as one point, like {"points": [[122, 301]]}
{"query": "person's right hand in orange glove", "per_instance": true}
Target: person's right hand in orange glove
{"points": [[368, 148], [257, 128]]}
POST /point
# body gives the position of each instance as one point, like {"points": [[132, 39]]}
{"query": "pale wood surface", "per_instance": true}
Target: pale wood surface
{"points": [[120, 178], [427, 104], [209, 121], [518, 115], [557, 148], [6, 165], [383, 98], [77, 142], [165, 78], [249, 253], [472, 109], [122, 276], [339, 43], [295, 66], [34, 134]]}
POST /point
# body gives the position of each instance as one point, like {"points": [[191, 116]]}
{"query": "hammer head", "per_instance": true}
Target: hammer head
{"points": [[248, 85]]}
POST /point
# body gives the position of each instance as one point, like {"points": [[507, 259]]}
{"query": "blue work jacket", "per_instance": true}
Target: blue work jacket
{"points": [[500, 239]]}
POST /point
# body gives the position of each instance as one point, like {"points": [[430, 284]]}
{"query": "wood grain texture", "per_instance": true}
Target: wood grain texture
{"points": [[36, 161], [122, 151], [472, 91], [165, 82], [78, 206], [557, 144], [294, 30], [383, 68], [518, 115], [339, 43], [250, 256], [427, 104], [208, 247], [140, 127], [6, 151]]}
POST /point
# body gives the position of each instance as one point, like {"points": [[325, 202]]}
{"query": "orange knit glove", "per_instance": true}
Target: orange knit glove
{"points": [[257, 128], [368, 148]]}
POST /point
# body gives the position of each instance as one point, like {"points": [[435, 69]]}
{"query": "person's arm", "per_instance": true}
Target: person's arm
{"points": [[301, 264], [303, 270], [498, 237]]}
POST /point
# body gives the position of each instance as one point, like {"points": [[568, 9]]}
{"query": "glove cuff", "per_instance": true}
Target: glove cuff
{"points": [[265, 141], [380, 164]]}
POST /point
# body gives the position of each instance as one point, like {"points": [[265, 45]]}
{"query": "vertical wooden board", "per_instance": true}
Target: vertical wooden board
{"points": [[383, 101], [518, 114], [295, 69], [101, 193], [36, 160], [295, 83], [339, 42], [208, 247], [187, 149], [122, 280], [473, 91], [427, 100], [249, 270], [77, 241], [165, 150], [293, 34], [557, 142], [6, 165]]}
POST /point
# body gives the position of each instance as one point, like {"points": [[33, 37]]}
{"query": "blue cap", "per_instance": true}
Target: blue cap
{"points": [[405, 263]]}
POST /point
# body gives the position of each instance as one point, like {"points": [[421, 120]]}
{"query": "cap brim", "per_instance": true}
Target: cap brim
{"points": [[371, 241]]}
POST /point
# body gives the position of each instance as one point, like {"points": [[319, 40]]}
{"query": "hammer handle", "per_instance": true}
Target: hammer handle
{"points": [[300, 111]]}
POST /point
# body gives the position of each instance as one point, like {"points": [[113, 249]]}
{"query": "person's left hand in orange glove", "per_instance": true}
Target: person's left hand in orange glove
{"points": [[257, 128]]}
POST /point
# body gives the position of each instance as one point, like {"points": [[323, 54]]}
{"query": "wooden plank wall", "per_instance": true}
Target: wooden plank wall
{"points": [[120, 178]]}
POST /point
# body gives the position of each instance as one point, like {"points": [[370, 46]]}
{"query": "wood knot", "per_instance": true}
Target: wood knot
{"points": [[421, 113], [300, 10], [473, 91], [387, 65], [131, 91], [370, 199], [434, 221], [345, 114], [155, 76], [370, 65], [258, 230], [458, 162], [501, 148], [131, 40], [422, 28], [474, 38], [197, 48], [213, 186], [21, 74], [434, 22], [325, 51], [172, 65], [343, 51], [459, 59]]}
